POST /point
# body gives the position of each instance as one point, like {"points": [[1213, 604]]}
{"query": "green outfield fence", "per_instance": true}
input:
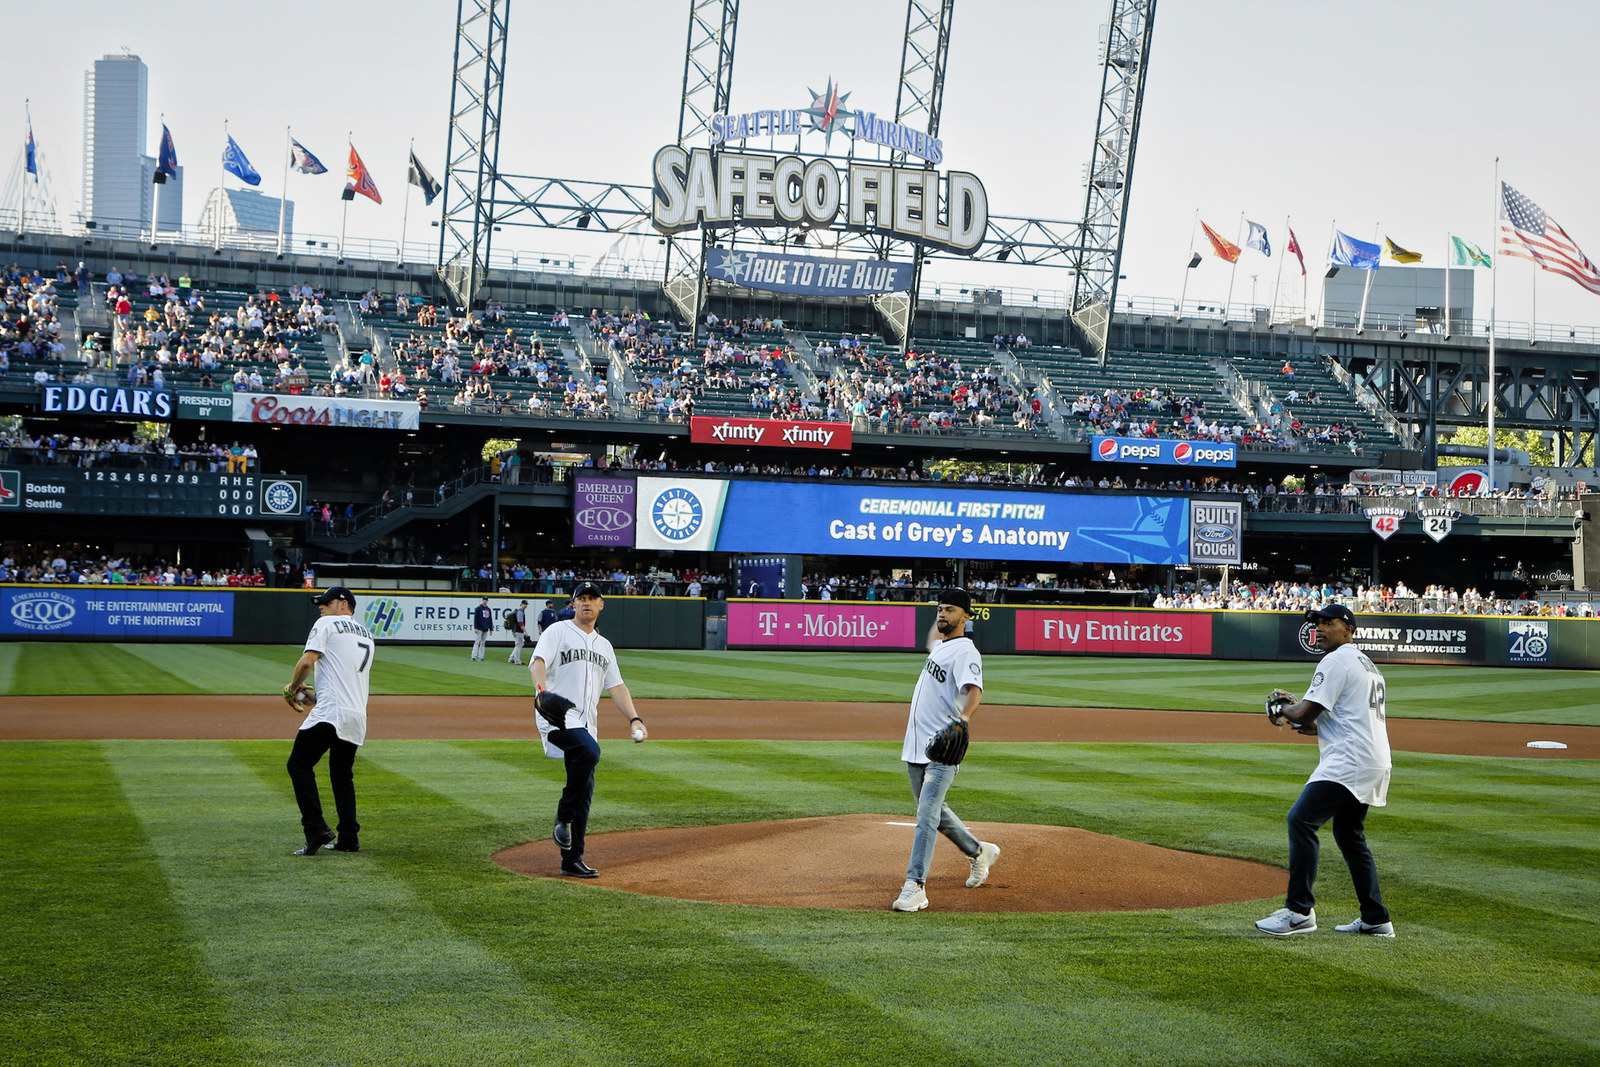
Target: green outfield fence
{"points": [[282, 616]]}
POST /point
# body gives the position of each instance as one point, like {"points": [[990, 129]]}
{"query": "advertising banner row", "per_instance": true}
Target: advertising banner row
{"points": [[270, 409], [1447, 639]]}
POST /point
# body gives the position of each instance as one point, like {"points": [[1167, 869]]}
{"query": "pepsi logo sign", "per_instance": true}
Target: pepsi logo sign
{"points": [[1183, 452], [1108, 448], [1467, 482]]}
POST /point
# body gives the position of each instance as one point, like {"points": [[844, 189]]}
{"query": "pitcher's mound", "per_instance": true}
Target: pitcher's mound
{"points": [[859, 861]]}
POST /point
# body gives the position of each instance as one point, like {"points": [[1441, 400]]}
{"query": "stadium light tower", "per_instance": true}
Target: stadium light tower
{"points": [[923, 58], [472, 150], [1098, 257], [707, 85]]}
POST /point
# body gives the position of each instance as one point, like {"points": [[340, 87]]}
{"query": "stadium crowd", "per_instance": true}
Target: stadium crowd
{"points": [[1395, 599], [57, 449]]}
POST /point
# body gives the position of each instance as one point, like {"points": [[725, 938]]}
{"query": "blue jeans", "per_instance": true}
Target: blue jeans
{"points": [[929, 784], [1319, 802], [582, 754]]}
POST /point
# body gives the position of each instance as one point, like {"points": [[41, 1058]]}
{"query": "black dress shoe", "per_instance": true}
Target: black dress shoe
{"points": [[576, 868], [562, 834], [312, 846], [344, 846]]}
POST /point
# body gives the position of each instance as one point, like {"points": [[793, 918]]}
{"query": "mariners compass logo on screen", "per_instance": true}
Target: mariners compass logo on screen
{"points": [[677, 514], [281, 498]]}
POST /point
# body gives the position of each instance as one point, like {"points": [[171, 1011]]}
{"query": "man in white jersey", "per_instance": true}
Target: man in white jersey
{"points": [[339, 649], [1345, 709], [574, 661], [950, 687]]}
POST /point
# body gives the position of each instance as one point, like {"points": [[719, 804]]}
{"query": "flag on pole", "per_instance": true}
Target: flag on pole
{"points": [[1349, 252], [303, 161], [1224, 248], [1294, 246], [418, 175], [235, 163], [1467, 254], [1398, 254], [1258, 238], [1528, 233], [167, 162], [359, 180], [33, 162]]}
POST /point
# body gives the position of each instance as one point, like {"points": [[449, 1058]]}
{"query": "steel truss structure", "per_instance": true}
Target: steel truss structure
{"points": [[472, 149], [479, 199], [1553, 392], [1098, 264]]}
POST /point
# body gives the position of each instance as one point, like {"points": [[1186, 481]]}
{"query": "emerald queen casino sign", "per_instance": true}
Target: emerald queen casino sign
{"points": [[716, 186]]}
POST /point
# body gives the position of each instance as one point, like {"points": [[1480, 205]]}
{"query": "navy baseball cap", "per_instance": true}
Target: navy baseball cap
{"points": [[587, 589], [1332, 611], [338, 592], [959, 598]]}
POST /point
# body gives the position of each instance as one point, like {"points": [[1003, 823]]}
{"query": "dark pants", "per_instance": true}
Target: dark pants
{"points": [[582, 754], [309, 745], [1319, 802]]}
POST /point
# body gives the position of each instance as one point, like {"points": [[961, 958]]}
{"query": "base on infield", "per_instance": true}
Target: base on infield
{"points": [[795, 863]]}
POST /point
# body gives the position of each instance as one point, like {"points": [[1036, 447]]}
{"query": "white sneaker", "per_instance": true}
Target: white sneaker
{"points": [[912, 898], [1283, 923], [981, 863], [1359, 927]]}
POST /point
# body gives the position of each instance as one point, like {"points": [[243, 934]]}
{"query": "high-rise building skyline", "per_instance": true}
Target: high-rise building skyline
{"points": [[117, 174]]}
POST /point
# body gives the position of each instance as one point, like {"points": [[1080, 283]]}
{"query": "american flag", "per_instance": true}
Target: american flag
{"points": [[1528, 233]]}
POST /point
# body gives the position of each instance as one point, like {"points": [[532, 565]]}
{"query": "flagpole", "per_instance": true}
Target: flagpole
{"points": [[405, 212], [222, 178], [1494, 296], [1238, 236], [1533, 309], [344, 216], [1183, 290], [1450, 255], [155, 207], [22, 199], [283, 201], [1273, 317], [1322, 298], [1366, 290]]}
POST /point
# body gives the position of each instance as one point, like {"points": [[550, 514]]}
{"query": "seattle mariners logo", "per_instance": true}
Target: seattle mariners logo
{"points": [[384, 616], [677, 514], [281, 498]]}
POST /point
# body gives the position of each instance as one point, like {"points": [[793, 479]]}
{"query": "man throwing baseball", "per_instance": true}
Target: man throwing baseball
{"points": [[572, 660], [339, 651], [1345, 709], [946, 696]]}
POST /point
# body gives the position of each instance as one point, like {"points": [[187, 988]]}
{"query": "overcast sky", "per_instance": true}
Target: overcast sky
{"points": [[1385, 116]]}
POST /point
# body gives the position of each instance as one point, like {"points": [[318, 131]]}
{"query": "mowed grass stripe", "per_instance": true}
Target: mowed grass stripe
{"points": [[96, 669], [317, 957], [639, 969], [96, 959]]}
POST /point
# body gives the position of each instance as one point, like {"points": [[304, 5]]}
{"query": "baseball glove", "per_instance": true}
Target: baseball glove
{"points": [[300, 697], [950, 744], [1277, 700], [553, 707]]}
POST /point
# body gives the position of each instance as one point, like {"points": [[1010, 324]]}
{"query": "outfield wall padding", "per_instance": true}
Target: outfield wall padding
{"points": [[284, 616]]}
